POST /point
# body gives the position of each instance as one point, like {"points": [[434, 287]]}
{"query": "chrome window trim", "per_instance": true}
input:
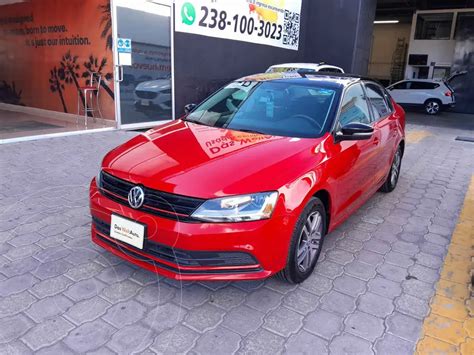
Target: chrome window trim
{"points": [[384, 96]]}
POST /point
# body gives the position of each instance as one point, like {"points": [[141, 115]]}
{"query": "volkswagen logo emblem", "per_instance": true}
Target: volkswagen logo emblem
{"points": [[136, 197]]}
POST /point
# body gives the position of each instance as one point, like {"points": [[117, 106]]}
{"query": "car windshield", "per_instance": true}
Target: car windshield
{"points": [[270, 107]]}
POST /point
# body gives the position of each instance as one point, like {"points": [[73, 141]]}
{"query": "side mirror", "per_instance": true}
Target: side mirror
{"points": [[189, 107], [354, 132]]}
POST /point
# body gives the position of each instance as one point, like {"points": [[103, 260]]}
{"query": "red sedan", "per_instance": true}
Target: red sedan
{"points": [[250, 181]]}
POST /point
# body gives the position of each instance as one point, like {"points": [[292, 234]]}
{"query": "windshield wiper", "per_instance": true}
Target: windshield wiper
{"points": [[194, 121], [248, 130]]}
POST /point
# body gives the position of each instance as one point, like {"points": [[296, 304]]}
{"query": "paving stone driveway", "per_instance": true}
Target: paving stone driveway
{"points": [[370, 292]]}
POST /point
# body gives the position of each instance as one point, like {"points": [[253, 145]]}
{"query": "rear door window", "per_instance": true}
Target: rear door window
{"points": [[377, 101], [400, 86], [330, 70], [420, 85]]}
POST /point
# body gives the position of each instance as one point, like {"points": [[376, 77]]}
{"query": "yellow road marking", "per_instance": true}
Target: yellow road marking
{"points": [[416, 136], [449, 329]]}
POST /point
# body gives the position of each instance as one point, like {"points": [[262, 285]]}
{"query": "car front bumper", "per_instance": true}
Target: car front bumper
{"points": [[196, 251]]}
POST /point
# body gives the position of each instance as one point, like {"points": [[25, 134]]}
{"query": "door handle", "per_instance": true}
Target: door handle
{"points": [[119, 73]]}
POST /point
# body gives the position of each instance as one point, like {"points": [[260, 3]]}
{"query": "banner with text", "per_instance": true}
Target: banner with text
{"points": [[48, 50], [269, 22]]}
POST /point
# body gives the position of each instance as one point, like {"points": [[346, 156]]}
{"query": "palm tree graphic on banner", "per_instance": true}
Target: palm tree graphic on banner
{"points": [[70, 67], [56, 84], [94, 66], [10, 94], [106, 22]]}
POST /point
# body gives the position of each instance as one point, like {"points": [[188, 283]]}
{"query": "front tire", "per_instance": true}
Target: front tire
{"points": [[306, 243], [432, 107], [392, 178]]}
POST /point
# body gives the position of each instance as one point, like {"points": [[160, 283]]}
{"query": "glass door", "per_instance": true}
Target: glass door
{"points": [[143, 62]]}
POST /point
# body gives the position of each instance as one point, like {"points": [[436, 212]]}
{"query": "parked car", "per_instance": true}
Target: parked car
{"points": [[153, 96], [306, 67], [250, 181], [128, 79], [433, 96]]}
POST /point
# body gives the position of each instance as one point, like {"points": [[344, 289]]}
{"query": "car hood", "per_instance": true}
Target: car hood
{"points": [[195, 160], [154, 85]]}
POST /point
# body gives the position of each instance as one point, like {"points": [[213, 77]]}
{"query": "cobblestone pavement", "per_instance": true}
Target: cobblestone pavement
{"points": [[369, 293]]}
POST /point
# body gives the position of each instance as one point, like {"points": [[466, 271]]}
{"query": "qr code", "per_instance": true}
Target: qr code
{"points": [[291, 28]]}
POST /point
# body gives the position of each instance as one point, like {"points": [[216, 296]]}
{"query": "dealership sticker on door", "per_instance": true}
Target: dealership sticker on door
{"points": [[127, 231], [269, 22], [124, 50]]}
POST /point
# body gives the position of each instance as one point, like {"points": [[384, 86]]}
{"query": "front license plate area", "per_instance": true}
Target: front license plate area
{"points": [[127, 231]]}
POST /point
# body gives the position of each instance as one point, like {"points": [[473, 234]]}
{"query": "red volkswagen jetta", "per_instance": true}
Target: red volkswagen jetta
{"points": [[250, 181]]}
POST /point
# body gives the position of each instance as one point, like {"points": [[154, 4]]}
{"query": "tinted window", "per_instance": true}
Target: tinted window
{"points": [[418, 59], [400, 86], [464, 26], [377, 101], [433, 26], [354, 106], [423, 72], [330, 70], [420, 85], [270, 107]]}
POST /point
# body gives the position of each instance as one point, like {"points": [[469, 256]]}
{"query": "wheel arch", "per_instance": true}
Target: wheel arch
{"points": [[402, 145], [325, 198], [433, 99]]}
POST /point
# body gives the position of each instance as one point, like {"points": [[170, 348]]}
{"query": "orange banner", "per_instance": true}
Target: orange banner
{"points": [[48, 48]]}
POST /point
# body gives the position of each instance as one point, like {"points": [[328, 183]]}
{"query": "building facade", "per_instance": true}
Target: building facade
{"points": [[442, 46], [178, 53]]}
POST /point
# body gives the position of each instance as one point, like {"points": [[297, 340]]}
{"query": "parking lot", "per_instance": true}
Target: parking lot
{"points": [[369, 293]]}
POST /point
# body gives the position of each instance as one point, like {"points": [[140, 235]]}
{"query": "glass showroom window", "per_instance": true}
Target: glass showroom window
{"points": [[434, 26]]}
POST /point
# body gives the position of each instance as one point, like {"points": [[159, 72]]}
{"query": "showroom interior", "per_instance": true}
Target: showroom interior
{"points": [[49, 58]]}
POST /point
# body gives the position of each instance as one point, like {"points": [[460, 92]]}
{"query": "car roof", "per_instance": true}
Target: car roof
{"points": [[303, 65], [422, 80], [330, 79]]}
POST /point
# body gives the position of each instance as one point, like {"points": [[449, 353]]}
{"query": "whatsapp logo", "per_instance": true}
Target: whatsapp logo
{"points": [[188, 13]]}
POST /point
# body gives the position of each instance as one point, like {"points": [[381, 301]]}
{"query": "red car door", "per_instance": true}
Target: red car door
{"points": [[353, 162]]}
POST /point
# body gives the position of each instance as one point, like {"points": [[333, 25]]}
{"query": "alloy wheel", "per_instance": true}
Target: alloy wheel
{"points": [[432, 107], [310, 241]]}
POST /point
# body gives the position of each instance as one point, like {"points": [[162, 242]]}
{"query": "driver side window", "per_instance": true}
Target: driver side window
{"points": [[354, 106]]}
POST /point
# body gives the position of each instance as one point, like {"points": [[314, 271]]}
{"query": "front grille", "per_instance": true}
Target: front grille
{"points": [[159, 203], [183, 257], [149, 95]]}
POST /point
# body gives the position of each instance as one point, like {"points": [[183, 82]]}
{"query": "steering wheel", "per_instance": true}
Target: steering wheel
{"points": [[309, 119]]}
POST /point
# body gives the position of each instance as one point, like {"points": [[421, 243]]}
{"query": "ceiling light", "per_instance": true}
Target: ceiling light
{"points": [[386, 22]]}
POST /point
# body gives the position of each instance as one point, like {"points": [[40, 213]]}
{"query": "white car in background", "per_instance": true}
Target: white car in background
{"points": [[307, 67], [433, 96], [153, 97]]}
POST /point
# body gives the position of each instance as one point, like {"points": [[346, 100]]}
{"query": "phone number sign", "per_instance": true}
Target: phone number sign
{"points": [[268, 22]]}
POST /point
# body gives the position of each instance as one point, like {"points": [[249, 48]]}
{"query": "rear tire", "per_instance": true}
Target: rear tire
{"points": [[306, 243], [432, 107], [392, 178]]}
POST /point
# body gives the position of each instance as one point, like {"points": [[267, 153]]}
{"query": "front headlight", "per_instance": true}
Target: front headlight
{"points": [[241, 208]]}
